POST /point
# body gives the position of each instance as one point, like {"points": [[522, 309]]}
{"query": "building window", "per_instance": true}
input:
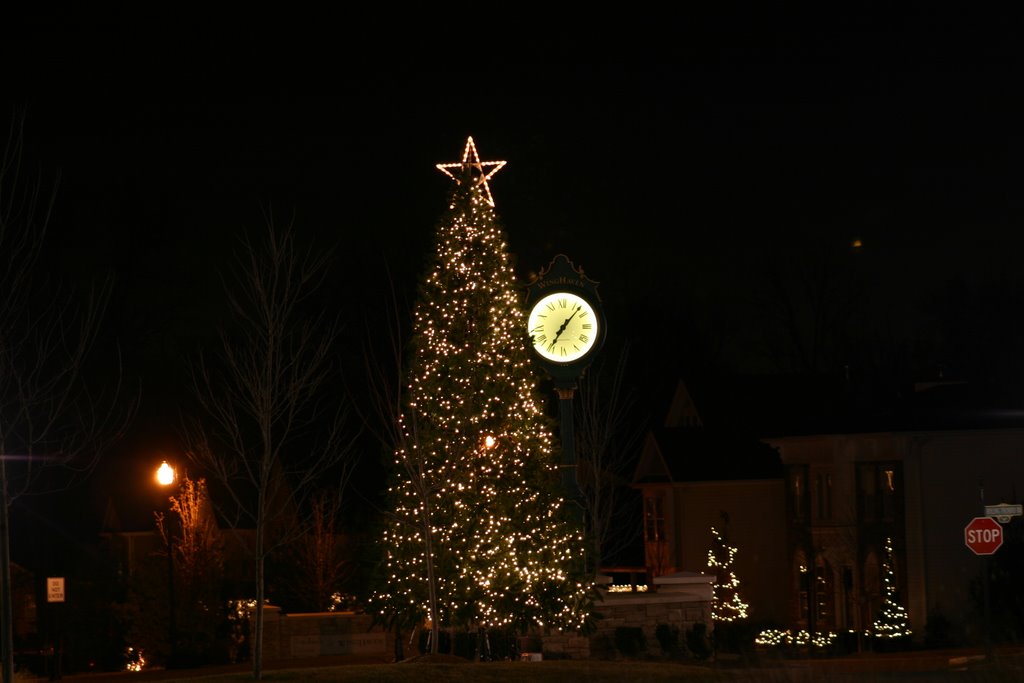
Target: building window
{"points": [[823, 495], [824, 596], [816, 594], [878, 488], [798, 492], [804, 582], [654, 519], [887, 484], [849, 602]]}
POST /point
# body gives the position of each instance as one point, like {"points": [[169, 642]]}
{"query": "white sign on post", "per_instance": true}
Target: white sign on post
{"points": [[1003, 512], [55, 589]]}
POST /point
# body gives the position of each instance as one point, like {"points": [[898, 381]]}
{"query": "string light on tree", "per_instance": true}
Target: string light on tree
{"points": [[892, 621], [477, 520], [726, 602]]}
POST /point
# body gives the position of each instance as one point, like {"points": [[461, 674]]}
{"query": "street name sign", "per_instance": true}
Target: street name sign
{"points": [[983, 535], [1003, 512]]}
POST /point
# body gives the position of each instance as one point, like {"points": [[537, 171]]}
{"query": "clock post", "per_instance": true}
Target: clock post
{"points": [[567, 328]]}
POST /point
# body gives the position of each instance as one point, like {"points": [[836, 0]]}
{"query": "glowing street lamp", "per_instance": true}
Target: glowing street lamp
{"points": [[165, 474]]}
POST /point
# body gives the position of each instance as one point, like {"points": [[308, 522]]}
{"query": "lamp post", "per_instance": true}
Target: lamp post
{"points": [[566, 326], [166, 477]]}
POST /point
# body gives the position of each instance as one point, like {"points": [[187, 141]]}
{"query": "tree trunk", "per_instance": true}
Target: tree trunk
{"points": [[399, 651], [7, 613], [257, 645], [428, 537]]}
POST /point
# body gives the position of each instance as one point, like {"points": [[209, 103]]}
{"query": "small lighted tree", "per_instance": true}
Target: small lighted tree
{"points": [[726, 605], [892, 621]]}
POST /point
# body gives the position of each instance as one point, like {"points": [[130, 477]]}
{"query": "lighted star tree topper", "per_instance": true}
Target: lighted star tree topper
{"points": [[478, 535], [478, 172]]}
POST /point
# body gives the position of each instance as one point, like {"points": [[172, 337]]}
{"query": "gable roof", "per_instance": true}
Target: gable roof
{"points": [[776, 405], [699, 454]]}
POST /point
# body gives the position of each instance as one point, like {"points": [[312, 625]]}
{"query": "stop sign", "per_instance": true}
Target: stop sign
{"points": [[983, 535]]}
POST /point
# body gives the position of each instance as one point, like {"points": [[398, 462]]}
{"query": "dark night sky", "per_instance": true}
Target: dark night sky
{"points": [[675, 173]]}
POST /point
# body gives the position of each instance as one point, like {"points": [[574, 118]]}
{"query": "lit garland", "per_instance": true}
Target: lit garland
{"points": [[726, 603], [780, 638], [622, 588], [475, 475], [892, 621]]}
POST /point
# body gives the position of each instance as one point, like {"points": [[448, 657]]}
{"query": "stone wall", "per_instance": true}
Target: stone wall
{"points": [[680, 600], [298, 636]]}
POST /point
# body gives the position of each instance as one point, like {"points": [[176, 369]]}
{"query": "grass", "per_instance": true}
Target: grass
{"points": [[491, 672], [931, 667], [612, 672]]}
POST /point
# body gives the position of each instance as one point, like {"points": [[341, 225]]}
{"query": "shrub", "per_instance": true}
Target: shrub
{"points": [[938, 631], [900, 644], [668, 639], [697, 641], [444, 641], [630, 640], [465, 644], [602, 647], [736, 637]]}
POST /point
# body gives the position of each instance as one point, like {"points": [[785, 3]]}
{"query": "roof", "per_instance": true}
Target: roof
{"points": [[715, 431], [677, 454], [776, 405]]}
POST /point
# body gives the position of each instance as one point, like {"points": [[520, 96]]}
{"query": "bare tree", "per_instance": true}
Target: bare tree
{"points": [[269, 433], [196, 560], [605, 444], [318, 556], [810, 305], [50, 422]]}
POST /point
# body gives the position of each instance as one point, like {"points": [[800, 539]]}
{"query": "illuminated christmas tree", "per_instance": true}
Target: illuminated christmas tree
{"points": [[477, 535], [892, 621], [726, 605]]}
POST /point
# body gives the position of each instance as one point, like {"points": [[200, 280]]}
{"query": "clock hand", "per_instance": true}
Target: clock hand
{"points": [[564, 325]]}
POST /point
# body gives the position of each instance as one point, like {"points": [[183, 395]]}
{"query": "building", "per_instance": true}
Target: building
{"points": [[846, 494], [812, 509], [692, 478]]}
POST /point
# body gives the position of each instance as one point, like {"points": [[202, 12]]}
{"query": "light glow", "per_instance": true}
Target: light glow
{"points": [[622, 588], [780, 638], [165, 474], [563, 327], [475, 486], [726, 603], [485, 170], [134, 661], [892, 621]]}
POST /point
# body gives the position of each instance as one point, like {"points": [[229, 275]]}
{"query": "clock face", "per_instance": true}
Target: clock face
{"points": [[563, 327]]}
